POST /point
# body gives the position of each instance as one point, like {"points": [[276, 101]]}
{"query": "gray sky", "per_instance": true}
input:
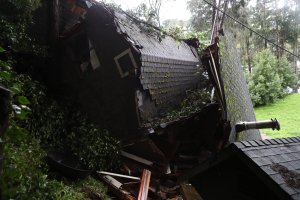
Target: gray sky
{"points": [[171, 9]]}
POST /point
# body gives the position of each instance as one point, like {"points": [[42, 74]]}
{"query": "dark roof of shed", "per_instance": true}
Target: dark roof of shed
{"points": [[278, 159], [276, 162]]}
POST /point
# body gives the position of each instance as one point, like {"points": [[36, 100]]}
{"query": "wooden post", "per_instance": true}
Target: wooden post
{"points": [[5, 107], [144, 186]]}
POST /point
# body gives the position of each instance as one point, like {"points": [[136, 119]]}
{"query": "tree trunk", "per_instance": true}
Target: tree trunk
{"points": [[295, 52], [248, 53], [282, 45], [4, 113], [213, 13], [277, 41], [295, 44]]}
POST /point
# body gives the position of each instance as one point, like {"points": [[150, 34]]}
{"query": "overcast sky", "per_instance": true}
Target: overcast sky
{"points": [[171, 9]]}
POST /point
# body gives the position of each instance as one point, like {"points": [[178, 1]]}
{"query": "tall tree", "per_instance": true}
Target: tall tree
{"points": [[202, 14], [149, 11]]}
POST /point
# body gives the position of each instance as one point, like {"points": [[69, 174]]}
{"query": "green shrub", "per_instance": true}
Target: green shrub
{"points": [[264, 82], [24, 173], [15, 22], [65, 127], [286, 74], [39, 120], [270, 78]]}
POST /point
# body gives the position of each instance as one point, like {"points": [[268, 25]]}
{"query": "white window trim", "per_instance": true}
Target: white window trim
{"points": [[127, 51]]}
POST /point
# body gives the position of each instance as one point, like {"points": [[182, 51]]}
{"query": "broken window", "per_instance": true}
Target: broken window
{"points": [[125, 63], [84, 53], [93, 57]]}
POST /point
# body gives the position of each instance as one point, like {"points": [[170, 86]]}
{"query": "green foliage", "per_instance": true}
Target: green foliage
{"points": [[286, 74], [265, 84], [270, 78], [149, 12], [39, 120], [180, 33], [201, 14], [19, 9], [96, 148], [193, 103], [89, 185], [24, 174], [64, 127], [169, 23], [15, 21], [1, 50]]}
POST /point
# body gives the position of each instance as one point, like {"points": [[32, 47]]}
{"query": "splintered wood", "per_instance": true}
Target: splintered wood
{"points": [[144, 186]]}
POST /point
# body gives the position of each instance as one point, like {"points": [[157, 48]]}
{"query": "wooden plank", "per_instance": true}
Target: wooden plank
{"points": [[115, 187], [188, 192], [136, 158], [118, 175], [144, 186]]}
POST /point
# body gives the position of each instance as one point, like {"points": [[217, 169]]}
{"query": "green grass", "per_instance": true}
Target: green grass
{"points": [[287, 112]]}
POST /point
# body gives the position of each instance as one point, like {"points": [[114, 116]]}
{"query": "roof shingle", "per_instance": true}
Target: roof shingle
{"points": [[279, 159]]}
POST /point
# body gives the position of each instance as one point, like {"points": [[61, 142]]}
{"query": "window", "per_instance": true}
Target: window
{"points": [[125, 63]]}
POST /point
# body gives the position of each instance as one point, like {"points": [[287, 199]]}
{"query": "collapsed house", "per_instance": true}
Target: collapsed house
{"points": [[127, 75], [122, 72]]}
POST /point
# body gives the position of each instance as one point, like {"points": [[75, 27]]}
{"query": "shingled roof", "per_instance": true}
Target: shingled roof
{"points": [[169, 67], [277, 162]]}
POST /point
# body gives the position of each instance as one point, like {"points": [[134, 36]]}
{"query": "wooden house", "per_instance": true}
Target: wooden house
{"points": [[122, 72]]}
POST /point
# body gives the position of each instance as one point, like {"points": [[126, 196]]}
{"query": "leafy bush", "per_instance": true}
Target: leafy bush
{"points": [[265, 84], [286, 74], [96, 148], [270, 78], [195, 100], [15, 21], [64, 127], [39, 120], [25, 175]]}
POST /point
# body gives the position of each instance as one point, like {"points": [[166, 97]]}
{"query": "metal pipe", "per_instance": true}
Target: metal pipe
{"points": [[242, 126]]}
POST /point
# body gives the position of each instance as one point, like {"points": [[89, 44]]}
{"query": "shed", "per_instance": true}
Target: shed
{"points": [[258, 169], [121, 71]]}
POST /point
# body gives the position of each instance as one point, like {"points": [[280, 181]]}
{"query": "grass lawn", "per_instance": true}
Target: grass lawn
{"points": [[287, 112]]}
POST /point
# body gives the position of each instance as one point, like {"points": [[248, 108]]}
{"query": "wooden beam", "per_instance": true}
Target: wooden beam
{"points": [[115, 187], [136, 158], [144, 186], [118, 175]]}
